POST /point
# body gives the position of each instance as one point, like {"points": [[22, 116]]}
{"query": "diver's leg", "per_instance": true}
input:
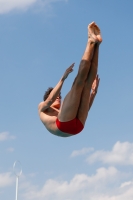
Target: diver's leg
{"points": [[85, 98], [71, 102]]}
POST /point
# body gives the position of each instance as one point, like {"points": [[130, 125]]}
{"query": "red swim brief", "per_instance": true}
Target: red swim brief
{"points": [[73, 126]]}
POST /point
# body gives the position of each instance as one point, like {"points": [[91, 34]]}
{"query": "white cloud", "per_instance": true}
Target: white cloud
{"points": [[6, 179], [105, 184], [8, 5], [6, 136], [126, 184], [124, 193], [80, 187], [81, 152], [121, 153]]}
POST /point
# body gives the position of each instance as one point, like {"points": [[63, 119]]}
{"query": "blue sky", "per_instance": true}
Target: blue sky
{"points": [[39, 39]]}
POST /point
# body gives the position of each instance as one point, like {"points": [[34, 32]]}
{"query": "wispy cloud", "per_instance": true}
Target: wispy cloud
{"points": [[8, 5], [6, 136], [81, 152], [6, 179], [125, 184], [11, 149], [121, 154]]}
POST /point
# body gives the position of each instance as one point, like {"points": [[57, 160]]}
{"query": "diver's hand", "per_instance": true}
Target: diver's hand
{"points": [[68, 71], [95, 84]]}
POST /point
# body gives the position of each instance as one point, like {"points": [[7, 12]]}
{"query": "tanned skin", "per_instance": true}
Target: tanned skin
{"points": [[79, 99]]}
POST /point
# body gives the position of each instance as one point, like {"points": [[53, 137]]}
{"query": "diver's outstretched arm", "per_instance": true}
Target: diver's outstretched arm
{"points": [[55, 92]]}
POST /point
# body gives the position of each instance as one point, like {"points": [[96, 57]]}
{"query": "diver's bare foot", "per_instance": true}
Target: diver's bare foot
{"points": [[91, 33], [97, 33]]}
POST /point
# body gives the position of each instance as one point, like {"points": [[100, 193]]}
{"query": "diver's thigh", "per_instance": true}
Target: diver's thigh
{"points": [[70, 104]]}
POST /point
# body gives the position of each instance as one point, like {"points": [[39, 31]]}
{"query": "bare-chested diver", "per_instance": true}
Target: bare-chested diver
{"points": [[69, 118]]}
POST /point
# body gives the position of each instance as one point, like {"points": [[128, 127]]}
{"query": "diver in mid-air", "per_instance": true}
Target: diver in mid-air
{"points": [[69, 118]]}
